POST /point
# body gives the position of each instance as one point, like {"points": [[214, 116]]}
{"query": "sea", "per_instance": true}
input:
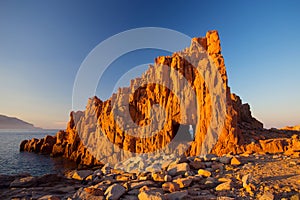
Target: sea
{"points": [[13, 162]]}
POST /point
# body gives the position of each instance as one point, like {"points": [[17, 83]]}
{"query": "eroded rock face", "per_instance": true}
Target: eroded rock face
{"points": [[245, 119], [183, 90], [156, 111], [177, 90]]}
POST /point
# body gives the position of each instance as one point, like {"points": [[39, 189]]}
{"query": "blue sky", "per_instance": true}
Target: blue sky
{"points": [[43, 43]]}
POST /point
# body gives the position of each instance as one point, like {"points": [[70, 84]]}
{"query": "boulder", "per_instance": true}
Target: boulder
{"points": [[176, 169], [158, 177], [137, 185], [235, 161], [24, 182], [224, 186], [170, 186], [183, 182], [177, 195], [82, 174], [225, 159], [114, 192], [81, 194], [49, 197], [267, 196], [197, 165], [150, 195], [5, 180], [204, 172]]}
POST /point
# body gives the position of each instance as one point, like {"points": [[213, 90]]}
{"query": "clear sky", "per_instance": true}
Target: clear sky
{"points": [[43, 43]]}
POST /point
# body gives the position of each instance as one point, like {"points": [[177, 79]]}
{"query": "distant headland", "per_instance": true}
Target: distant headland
{"points": [[15, 123]]}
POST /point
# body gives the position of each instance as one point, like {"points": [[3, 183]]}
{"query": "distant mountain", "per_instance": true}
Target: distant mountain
{"points": [[15, 123]]}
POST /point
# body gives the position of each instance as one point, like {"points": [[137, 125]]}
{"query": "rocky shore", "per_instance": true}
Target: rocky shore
{"points": [[248, 176]]}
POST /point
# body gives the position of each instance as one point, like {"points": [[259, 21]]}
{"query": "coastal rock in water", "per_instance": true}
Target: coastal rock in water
{"points": [[43, 146], [47, 146], [22, 145]]}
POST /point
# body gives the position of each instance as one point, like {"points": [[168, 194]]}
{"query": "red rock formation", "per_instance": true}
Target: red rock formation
{"points": [[291, 128], [66, 144], [245, 119], [173, 87], [43, 146]]}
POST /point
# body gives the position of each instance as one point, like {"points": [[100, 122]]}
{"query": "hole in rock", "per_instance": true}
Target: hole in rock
{"points": [[183, 132]]}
